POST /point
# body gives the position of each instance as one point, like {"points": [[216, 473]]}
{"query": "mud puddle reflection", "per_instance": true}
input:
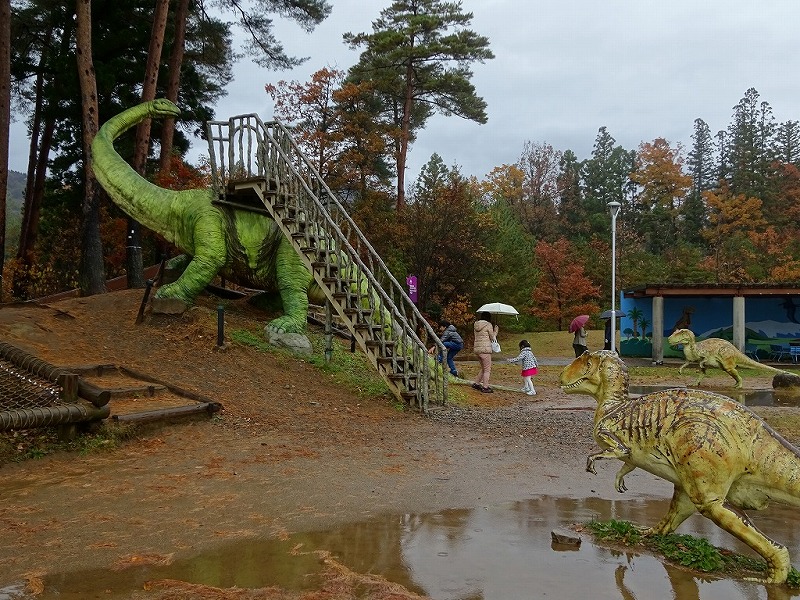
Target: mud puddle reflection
{"points": [[490, 553], [775, 397]]}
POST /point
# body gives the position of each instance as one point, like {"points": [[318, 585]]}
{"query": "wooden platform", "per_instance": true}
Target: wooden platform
{"points": [[138, 398]]}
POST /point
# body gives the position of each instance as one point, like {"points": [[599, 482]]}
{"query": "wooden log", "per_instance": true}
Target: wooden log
{"points": [[168, 413]]}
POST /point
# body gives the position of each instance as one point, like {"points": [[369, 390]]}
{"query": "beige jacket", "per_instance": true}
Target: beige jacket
{"points": [[484, 333]]}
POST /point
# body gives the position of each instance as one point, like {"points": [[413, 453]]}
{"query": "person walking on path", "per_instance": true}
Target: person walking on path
{"points": [[530, 367], [485, 334], [579, 342], [453, 342]]}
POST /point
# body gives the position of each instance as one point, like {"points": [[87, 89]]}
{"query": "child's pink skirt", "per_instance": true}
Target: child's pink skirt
{"points": [[529, 372]]}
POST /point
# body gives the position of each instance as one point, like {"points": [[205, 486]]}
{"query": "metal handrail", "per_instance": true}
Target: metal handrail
{"points": [[265, 152]]}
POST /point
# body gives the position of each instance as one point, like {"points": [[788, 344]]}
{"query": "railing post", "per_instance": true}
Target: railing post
{"points": [[328, 332]]}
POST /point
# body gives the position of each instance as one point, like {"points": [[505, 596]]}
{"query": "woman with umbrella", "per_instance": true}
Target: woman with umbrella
{"points": [[579, 341], [485, 334]]}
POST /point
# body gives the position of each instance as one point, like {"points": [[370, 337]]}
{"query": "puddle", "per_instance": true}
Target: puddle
{"points": [[490, 553], [778, 397]]}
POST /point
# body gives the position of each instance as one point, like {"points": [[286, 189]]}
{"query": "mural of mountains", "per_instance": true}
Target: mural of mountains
{"points": [[758, 330]]}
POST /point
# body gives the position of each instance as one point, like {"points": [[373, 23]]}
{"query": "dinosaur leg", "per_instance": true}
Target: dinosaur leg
{"points": [[680, 508], [738, 525], [200, 271], [682, 367], [735, 374], [708, 495], [619, 480], [702, 373], [209, 256], [614, 449], [293, 283], [174, 267]]}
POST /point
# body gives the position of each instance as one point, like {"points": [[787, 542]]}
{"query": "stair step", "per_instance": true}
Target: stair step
{"points": [[387, 360], [363, 312], [389, 345], [318, 264], [403, 376]]}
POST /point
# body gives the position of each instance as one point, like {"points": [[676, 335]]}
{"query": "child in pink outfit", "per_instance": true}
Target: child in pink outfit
{"points": [[530, 367]]}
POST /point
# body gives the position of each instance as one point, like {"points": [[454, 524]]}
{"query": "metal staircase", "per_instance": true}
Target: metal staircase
{"points": [[257, 166]]}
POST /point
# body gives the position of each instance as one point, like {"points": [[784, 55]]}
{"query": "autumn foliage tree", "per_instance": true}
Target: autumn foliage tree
{"points": [[563, 291], [443, 238], [333, 124], [735, 223], [662, 188]]}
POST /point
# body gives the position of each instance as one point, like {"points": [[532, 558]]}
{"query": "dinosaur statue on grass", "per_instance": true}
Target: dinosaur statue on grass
{"points": [[245, 247], [720, 456], [717, 353]]}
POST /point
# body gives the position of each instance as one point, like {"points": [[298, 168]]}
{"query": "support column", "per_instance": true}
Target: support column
{"points": [[738, 322], [658, 329]]}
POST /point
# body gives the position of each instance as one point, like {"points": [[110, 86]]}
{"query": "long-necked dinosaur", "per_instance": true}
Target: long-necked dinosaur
{"points": [[715, 352], [720, 456], [245, 247]]}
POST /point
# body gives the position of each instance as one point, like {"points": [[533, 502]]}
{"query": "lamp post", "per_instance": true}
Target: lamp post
{"points": [[613, 208]]}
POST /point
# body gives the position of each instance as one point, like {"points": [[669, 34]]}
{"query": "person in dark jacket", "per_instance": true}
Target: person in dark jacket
{"points": [[453, 342]]}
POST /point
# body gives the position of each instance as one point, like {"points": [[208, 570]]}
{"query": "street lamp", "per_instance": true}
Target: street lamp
{"points": [[613, 208]]}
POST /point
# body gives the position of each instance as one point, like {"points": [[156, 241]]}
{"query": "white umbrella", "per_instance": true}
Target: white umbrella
{"points": [[498, 308]]}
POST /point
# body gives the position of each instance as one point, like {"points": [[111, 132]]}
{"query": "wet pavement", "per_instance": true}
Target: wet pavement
{"points": [[499, 552]]}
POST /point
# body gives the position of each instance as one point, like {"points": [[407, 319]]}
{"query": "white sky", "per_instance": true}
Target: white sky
{"points": [[642, 68]]}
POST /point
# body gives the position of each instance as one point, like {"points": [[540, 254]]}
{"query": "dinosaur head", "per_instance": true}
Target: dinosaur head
{"points": [[596, 374], [161, 108], [680, 336]]}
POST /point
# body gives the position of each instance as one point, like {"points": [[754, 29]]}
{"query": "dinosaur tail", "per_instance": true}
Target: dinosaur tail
{"points": [[780, 465], [749, 363]]}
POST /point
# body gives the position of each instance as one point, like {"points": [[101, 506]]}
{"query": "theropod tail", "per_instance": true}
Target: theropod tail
{"points": [[778, 466]]}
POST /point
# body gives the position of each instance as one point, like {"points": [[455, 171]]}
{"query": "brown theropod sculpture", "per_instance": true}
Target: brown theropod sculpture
{"points": [[715, 352], [720, 456]]}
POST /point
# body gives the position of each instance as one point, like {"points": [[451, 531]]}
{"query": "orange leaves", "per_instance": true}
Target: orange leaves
{"points": [[563, 290], [659, 172], [181, 176]]}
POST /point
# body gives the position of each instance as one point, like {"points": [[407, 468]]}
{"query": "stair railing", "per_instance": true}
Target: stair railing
{"points": [[243, 148]]}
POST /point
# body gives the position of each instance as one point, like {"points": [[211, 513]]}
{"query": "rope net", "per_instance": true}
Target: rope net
{"points": [[24, 389], [33, 394]]}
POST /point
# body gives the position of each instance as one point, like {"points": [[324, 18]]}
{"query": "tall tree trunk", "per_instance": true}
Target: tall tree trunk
{"points": [[5, 122], [37, 176], [92, 275], [405, 134], [174, 81], [33, 153], [140, 151]]}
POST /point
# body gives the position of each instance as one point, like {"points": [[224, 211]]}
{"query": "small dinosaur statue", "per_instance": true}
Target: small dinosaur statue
{"points": [[245, 247], [715, 352], [720, 456]]}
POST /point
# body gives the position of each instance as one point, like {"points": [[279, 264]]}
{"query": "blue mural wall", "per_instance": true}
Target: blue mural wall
{"points": [[768, 320]]}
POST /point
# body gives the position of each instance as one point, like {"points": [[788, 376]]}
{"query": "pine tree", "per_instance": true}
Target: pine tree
{"points": [[412, 58], [700, 164], [787, 143], [606, 179], [750, 146]]}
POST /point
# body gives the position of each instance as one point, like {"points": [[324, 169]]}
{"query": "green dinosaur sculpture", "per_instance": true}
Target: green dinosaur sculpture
{"points": [[717, 353], [720, 456], [245, 247]]}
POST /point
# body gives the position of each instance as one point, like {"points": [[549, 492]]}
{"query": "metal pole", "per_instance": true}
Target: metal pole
{"points": [[614, 208], [220, 325], [328, 332]]}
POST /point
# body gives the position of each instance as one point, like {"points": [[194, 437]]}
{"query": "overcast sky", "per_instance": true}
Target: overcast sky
{"points": [[642, 68]]}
